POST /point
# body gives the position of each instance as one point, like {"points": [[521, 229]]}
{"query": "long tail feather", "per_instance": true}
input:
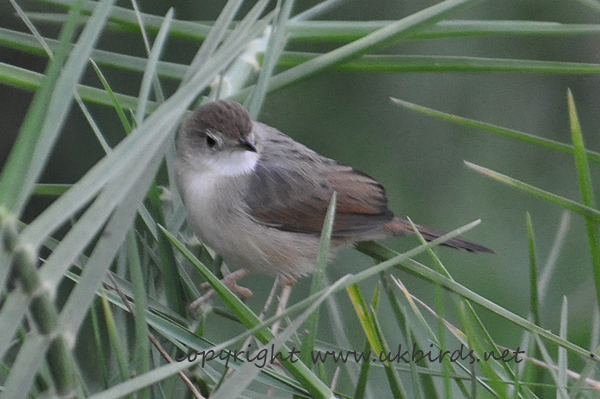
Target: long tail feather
{"points": [[403, 227]]}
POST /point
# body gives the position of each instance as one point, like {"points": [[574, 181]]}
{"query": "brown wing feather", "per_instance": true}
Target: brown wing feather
{"points": [[290, 201]]}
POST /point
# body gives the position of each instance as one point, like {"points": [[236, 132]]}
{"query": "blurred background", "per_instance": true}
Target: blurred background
{"points": [[348, 116]]}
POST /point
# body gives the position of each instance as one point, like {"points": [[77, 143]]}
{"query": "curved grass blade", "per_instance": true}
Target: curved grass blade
{"points": [[571, 205], [515, 134], [587, 192]]}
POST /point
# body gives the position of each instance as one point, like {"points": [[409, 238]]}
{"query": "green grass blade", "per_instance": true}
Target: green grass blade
{"points": [[527, 138], [438, 63], [587, 192], [142, 343], [115, 341], [150, 71], [477, 343], [532, 373], [573, 206], [13, 311], [372, 331], [534, 296], [562, 353], [317, 282], [274, 48], [113, 96], [561, 392], [353, 30], [51, 190]]}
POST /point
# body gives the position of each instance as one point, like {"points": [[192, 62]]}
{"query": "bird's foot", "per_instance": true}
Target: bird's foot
{"points": [[230, 281]]}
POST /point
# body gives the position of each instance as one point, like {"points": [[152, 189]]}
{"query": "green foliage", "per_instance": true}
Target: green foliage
{"points": [[118, 219]]}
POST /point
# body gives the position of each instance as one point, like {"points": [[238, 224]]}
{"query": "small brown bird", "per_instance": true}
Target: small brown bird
{"points": [[259, 198]]}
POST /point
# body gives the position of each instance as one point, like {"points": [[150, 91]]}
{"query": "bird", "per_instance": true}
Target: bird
{"points": [[258, 198]]}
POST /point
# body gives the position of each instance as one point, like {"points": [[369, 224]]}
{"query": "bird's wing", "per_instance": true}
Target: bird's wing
{"points": [[296, 199]]}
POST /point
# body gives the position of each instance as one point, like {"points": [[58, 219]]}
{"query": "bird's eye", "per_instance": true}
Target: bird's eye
{"points": [[210, 142]]}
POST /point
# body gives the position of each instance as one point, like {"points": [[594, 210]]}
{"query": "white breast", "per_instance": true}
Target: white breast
{"points": [[200, 193]]}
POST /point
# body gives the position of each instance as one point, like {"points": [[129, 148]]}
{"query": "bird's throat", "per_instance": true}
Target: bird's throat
{"points": [[233, 163]]}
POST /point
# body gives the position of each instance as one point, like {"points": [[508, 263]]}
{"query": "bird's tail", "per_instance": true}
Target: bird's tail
{"points": [[403, 227]]}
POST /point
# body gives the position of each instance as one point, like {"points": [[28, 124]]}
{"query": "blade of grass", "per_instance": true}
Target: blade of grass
{"points": [[113, 337], [158, 92], [587, 192], [150, 71], [438, 63], [317, 282], [527, 138], [573, 206], [371, 63], [561, 392], [142, 343], [532, 373], [495, 382], [352, 30], [370, 326], [277, 40], [51, 190], [562, 353], [534, 297], [102, 354], [28, 43], [14, 388]]}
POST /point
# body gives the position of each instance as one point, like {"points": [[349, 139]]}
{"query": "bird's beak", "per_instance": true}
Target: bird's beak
{"points": [[248, 145]]}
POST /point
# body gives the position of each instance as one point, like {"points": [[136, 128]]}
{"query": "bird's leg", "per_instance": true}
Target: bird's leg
{"points": [[269, 300], [286, 291], [264, 310], [230, 281]]}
